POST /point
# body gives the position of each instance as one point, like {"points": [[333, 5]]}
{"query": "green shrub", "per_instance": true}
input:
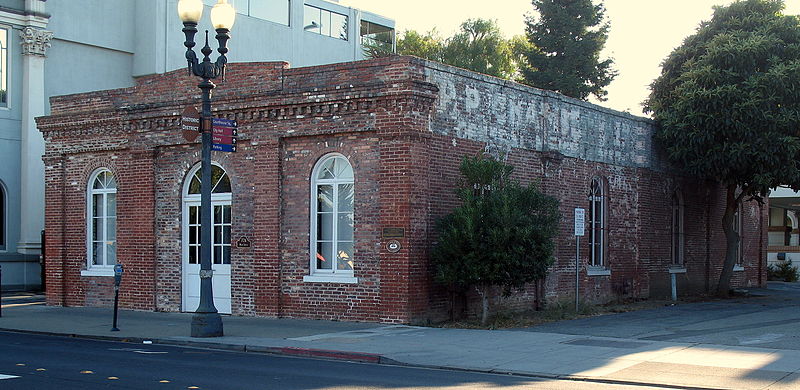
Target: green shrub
{"points": [[784, 270]]}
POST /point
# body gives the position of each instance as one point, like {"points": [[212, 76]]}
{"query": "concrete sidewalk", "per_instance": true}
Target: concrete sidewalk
{"points": [[553, 355]]}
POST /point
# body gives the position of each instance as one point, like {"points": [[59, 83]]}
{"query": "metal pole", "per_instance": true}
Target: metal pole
{"points": [[116, 306], [577, 269], [206, 321]]}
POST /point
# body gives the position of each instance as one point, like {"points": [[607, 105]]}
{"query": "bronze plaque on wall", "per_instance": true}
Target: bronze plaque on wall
{"points": [[394, 233]]}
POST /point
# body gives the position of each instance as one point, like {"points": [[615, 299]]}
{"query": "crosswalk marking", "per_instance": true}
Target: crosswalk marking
{"points": [[3, 376]]}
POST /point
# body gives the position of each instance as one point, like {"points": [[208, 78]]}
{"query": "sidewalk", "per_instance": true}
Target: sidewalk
{"points": [[552, 355]]}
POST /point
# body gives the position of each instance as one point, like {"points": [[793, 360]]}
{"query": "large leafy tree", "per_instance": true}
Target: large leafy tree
{"points": [[478, 46], [566, 38], [501, 235], [728, 106]]}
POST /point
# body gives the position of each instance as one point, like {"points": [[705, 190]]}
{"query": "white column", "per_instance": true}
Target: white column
{"points": [[34, 45]]}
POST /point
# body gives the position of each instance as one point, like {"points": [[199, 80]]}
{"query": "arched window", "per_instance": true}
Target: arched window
{"points": [[101, 228], [332, 227], [677, 230], [597, 227], [220, 216]]}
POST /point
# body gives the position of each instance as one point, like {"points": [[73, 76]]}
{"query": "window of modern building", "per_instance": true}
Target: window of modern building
{"points": [[677, 230], [332, 217], [324, 22], [102, 220], [3, 67], [3, 208], [273, 10], [220, 216], [597, 223], [376, 39]]}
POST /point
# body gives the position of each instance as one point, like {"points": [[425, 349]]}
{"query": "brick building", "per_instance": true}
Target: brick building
{"points": [[336, 161]]}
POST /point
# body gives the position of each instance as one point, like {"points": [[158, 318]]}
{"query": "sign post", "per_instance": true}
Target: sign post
{"points": [[580, 219], [117, 280]]}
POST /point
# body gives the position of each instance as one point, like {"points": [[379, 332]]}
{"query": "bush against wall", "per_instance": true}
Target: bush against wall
{"points": [[783, 271], [500, 236]]}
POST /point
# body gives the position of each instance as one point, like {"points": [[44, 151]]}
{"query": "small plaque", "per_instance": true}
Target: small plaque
{"points": [[190, 123], [243, 243], [393, 246], [394, 233]]}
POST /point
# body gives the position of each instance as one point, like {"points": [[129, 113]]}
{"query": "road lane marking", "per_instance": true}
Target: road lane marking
{"points": [[3, 376]]}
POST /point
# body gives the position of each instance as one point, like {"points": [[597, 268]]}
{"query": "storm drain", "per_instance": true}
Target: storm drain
{"points": [[607, 343]]}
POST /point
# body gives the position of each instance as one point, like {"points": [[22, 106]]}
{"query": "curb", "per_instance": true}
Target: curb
{"points": [[353, 357]]}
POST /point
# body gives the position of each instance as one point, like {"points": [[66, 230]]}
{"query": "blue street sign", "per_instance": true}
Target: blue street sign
{"points": [[223, 147], [224, 122]]}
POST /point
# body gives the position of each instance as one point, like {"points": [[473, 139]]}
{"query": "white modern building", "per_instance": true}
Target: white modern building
{"points": [[60, 47]]}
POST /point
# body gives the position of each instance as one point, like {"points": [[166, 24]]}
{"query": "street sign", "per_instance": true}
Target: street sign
{"points": [[223, 148], [224, 122], [226, 131], [580, 219], [221, 139], [190, 123]]}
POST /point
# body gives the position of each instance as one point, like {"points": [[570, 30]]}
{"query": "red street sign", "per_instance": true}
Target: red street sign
{"points": [[190, 123], [221, 139], [225, 131]]}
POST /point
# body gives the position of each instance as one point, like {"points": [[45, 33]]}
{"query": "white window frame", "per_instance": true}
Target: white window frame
{"points": [[96, 269], [677, 259], [597, 266], [4, 70], [333, 275], [3, 218]]}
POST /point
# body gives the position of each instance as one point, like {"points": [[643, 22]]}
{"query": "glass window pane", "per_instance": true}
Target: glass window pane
{"points": [[111, 229], [344, 258], [226, 255], [194, 185], [111, 182], [325, 27], [3, 66], [194, 234], [325, 226], [273, 10], [345, 197], [112, 204], [327, 170], [98, 183], [111, 254], [97, 229], [338, 26], [324, 198], [217, 234], [97, 253], [217, 215], [344, 227], [222, 183], [311, 19], [226, 235], [226, 218], [194, 218], [97, 205], [217, 254], [343, 169], [193, 255], [325, 255]]}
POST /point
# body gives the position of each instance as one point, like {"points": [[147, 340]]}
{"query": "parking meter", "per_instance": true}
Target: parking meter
{"points": [[117, 280], [117, 276]]}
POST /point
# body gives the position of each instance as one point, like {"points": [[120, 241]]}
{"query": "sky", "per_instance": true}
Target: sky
{"points": [[643, 32]]}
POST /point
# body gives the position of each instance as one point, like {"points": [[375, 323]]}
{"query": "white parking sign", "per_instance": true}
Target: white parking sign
{"points": [[580, 218]]}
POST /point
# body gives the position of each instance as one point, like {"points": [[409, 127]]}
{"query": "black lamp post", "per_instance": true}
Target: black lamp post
{"points": [[206, 321]]}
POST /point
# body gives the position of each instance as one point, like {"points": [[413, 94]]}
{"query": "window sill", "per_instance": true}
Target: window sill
{"points": [[677, 270], [597, 271], [330, 279], [97, 272], [738, 268]]}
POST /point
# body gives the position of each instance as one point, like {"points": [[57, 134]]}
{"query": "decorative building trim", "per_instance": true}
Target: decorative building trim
{"points": [[35, 41]]}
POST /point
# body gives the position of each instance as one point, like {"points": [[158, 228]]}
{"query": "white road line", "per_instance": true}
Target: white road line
{"points": [[2, 376]]}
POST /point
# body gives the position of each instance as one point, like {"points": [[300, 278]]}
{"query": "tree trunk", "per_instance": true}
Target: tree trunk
{"points": [[483, 291], [731, 242]]}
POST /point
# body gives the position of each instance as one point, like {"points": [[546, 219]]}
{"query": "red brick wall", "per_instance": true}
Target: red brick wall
{"points": [[400, 123]]}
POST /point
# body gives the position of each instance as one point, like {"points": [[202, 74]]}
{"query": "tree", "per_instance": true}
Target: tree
{"points": [[478, 46], [727, 105], [501, 235], [566, 39]]}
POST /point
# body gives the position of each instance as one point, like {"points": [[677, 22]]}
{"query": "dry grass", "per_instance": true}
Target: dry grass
{"points": [[559, 311]]}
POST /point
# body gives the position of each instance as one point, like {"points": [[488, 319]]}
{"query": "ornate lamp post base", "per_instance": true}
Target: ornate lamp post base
{"points": [[206, 325]]}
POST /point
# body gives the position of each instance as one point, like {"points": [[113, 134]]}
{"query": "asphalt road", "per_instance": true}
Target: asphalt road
{"points": [[49, 362]]}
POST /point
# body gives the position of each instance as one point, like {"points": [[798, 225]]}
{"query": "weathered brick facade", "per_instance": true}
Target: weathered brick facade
{"points": [[404, 124]]}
